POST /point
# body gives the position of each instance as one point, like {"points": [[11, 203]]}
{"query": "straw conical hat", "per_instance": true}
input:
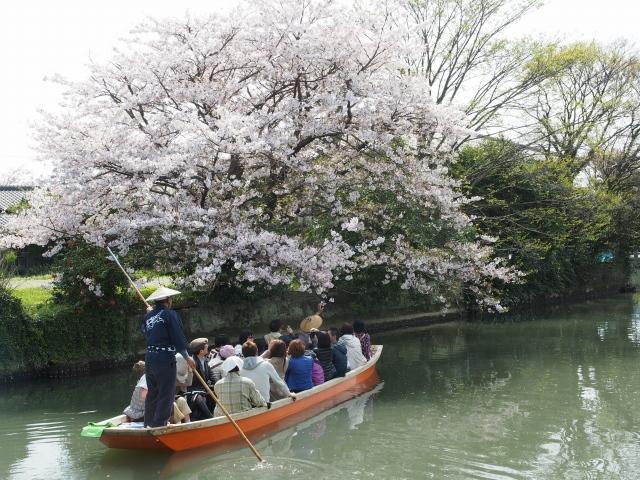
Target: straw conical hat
{"points": [[312, 321], [162, 293]]}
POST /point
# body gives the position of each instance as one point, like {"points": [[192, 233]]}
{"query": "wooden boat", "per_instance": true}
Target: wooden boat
{"points": [[256, 423], [279, 444]]}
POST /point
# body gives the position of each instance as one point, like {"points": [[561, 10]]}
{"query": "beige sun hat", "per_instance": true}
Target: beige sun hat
{"points": [[162, 293], [312, 321], [197, 344]]}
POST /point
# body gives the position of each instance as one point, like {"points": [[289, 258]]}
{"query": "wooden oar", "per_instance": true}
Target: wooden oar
{"points": [[198, 376]]}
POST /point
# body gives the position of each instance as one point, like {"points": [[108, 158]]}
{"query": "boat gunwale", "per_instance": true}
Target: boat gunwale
{"points": [[222, 420]]}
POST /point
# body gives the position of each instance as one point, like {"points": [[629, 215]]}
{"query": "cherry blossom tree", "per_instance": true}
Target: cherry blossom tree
{"points": [[283, 145]]}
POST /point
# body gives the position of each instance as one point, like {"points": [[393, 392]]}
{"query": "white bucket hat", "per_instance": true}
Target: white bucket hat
{"points": [[162, 293], [231, 363]]}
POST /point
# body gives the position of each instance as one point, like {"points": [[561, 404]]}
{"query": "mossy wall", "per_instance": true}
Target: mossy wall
{"points": [[59, 342]]}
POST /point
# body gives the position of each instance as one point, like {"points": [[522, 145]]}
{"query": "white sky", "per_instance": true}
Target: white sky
{"points": [[40, 38]]}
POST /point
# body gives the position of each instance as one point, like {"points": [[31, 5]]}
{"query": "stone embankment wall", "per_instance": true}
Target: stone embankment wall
{"points": [[231, 316]]}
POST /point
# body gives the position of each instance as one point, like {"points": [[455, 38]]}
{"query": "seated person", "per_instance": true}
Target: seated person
{"points": [[360, 332], [355, 358], [214, 357], [217, 373], [277, 356], [298, 374], [308, 325], [261, 344], [339, 353], [274, 331], [199, 401], [135, 410], [236, 393], [244, 336], [184, 378], [317, 374], [262, 373], [324, 354], [184, 375]]}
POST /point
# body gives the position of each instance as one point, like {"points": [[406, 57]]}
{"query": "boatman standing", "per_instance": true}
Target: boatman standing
{"points": [[163, 328]]}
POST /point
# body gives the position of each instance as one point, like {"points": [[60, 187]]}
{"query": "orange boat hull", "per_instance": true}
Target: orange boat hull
{"points": [[255, 423]]}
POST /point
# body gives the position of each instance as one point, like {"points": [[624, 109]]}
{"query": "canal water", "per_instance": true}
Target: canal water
{"points": [[555, 397]]}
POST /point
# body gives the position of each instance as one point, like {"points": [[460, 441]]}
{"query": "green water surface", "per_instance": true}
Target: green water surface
{"points": [[555, 397]]}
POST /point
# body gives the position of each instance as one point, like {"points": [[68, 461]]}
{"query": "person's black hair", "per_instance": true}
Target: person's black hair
{"points": [[334, 331], [358, 326], [221, 340], [346, 329], [275, 325], [244, 336], [323, 340], [261, 343]]}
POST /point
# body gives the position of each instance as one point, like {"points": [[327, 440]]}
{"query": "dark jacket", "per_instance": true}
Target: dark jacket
{"points": [[339, 359], [325, 357], [204, 373], [163, 330]]}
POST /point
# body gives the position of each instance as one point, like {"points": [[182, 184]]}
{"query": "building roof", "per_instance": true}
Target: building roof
{"points": [[12, 194]]}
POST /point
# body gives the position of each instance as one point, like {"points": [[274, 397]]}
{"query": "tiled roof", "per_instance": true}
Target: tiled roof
{"points": [[10, 195]]}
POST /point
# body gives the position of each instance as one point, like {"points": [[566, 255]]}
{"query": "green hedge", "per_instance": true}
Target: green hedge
{"points": [[57, 336], [20, 339]]}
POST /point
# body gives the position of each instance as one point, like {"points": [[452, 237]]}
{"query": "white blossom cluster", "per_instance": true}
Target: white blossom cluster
{"points": [[261, 146], [93, 287]]}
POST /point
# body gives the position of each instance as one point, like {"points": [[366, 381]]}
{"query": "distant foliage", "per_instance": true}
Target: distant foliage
{"points": [[548, 225]]}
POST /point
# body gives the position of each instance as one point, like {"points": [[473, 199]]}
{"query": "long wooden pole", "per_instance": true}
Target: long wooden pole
{"points": [[224, 410], [115, 259], [198, 376]]}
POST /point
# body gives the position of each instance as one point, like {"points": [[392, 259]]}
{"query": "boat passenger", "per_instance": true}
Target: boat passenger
{"points": [[163, 329], [184, 379], [274, 331], [245, 335], [184, 375], [338, 352], [261, 344], [317, 374], [199, 401], [277, 356], [355, 358], [262, 373], [360, 332], [237, 393], [199, 349], [218, 342], [309, 325], [217, 372], [135, 410], [298, 374], [324, 354]]}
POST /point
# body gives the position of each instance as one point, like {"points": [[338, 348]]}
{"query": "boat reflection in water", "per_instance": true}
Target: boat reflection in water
{"points": [[297, 440]]}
